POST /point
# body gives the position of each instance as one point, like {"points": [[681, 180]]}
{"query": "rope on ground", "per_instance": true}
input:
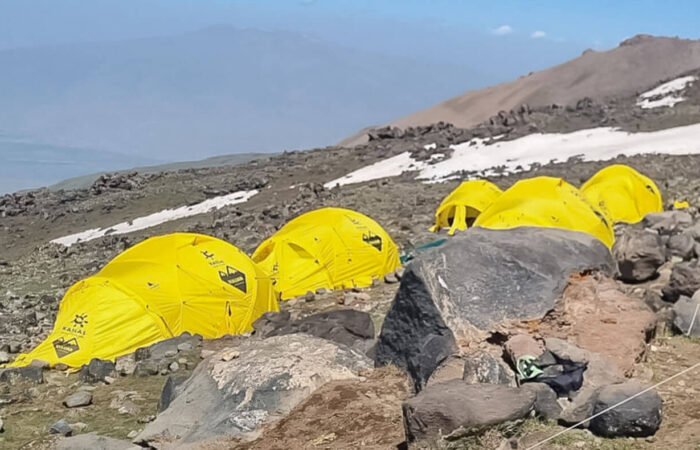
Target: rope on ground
{"points": [[615, 405], [695, 314]]}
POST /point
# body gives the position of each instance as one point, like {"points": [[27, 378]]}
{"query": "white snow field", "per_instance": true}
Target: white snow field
{"points": [[668, 92], [158, 218], [596, 144]]}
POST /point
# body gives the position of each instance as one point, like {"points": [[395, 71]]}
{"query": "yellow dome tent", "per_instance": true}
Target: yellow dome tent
{"points": [[330, 248], [546, 202], [622, 193], [156, 290], [462, 206]]}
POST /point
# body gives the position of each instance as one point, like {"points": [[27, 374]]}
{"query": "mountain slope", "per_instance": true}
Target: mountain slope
{"points": [[219, 90], [635, 65]]}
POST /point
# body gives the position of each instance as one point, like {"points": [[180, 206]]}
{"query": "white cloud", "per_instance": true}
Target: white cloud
{"points": [[503, 29], [538, 34]]}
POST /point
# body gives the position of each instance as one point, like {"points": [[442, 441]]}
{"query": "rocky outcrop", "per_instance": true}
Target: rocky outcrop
{"points": [[685, 280], [638, 417], [686, 315], [478, 283], [234, 391], [454, 409]]}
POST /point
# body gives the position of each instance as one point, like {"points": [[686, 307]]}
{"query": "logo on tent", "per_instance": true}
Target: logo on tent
{"points": [[234, 277], [80, 320], [373, 240], [64, 348]]}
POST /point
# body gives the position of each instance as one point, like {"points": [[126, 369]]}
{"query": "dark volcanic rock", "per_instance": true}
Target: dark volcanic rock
{"points": [[685, 313], [639, 253], [32, 373], [456, 408], [234, 396], [639, 417], [97, 370], [61, 427], [546, 404], [346, 326], [474, 283], [685, 280]]}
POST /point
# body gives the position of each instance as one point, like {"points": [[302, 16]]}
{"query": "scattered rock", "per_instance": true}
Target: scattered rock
{"points": [[639, 253], [146, 368], [443, 300], [685, 280], [681, 245], [31, 373], [686, 311], [346, 326], [639, 417], [522, 345], [174, 366], [546, 405], [482, 367], [454, 408], [267, 380], [61, 427], [80, 398], [228, 355], [97, 370], [185, 347], [4, 358]]}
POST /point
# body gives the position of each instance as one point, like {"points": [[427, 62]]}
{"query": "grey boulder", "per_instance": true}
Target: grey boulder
{"points": [[455, 409], [97, 370], [80, 398], [479, 280], [234, 396], [639, 253], [61, 427], [639, 417], [681, 245], [667, 222], [686, 315], [685, 280]]}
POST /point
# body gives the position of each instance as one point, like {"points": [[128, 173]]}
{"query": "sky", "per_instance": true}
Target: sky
{"points": [[593, 23]]}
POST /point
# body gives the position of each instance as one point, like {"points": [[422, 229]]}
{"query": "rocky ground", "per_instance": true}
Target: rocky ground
{"points": [[349, 405]]}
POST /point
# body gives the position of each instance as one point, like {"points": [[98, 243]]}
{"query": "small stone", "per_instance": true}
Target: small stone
{"points": [[147, 419], [126, 365], [2, 425], [123, 410], [310, 296], [4, 358], [41, 364], [399, 273], [78, 426], [189, 365], [61, 427], [206, 353], [174, 366], [61, 367], [184, 347], [182, 361], [132, 434], [109, 380], [170, 353], [228, 355], [146, 368], [390, 278], [80, 398]]}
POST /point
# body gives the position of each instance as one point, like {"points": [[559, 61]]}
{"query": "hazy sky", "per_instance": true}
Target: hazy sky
{"points": [[591, 23]]}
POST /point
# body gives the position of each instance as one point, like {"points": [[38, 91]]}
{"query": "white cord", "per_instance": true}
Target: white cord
{"points": [[616, 405]]}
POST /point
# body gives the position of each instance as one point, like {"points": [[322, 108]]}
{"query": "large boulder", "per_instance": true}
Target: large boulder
{"points": [[685, 280], [234, 391], [686, 312], [344, 326], [639, 417], [462, 291], [667, 222], [454, 409], [639, 253]]}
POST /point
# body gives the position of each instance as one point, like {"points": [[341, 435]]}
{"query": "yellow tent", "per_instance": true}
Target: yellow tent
{"points": [[622, 193], [546, 202], [329, 248], [155, 290], [459, 209]]}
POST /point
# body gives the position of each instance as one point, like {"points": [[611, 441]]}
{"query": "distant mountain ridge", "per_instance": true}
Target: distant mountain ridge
{"points": [[636, 64]]}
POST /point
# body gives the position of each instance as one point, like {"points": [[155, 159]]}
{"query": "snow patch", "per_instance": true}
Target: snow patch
{"points": [[391, 167], [475, 156], [668, 93], [158, 218]]}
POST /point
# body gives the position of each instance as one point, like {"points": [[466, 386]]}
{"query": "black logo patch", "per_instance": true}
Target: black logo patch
{"points": [[65, 348], [234, 277], [80, 320], [373, 240]]}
